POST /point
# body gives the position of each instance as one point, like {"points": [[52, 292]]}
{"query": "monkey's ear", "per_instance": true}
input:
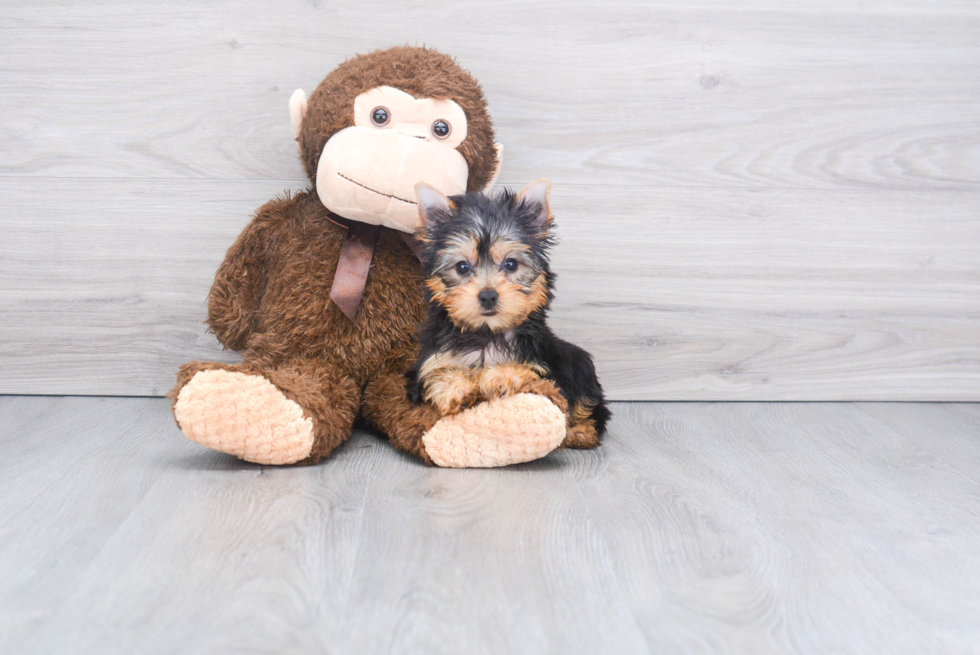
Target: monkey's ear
{"points": [[297, 110], [535, 196], [499, 147], [433, 207]]}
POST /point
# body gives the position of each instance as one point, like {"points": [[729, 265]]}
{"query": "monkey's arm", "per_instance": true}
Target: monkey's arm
{"points": [[240, 280], [387, 405]]}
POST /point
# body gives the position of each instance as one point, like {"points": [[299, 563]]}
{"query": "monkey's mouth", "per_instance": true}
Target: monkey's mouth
{"points": [[386, 195]]}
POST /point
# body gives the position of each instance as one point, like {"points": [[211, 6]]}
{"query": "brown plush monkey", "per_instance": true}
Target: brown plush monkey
{"points": [[322, 291]]}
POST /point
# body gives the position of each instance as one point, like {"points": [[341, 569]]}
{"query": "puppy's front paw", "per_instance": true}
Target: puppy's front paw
{"points": [[506, 380], [547, 388], [452, 393]]}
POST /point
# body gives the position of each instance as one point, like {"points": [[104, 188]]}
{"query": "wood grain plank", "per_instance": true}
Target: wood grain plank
{"points": [[72, 472], [679, 293], [775, 295], [716, 94], [949, 431], [705, 527], [102, 279], [790, 518]]}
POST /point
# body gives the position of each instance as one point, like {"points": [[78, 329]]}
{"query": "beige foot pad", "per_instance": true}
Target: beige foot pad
{"points": [[243, 415], [511, 430]]}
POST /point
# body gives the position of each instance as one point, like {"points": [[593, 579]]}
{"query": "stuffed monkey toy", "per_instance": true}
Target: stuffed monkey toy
{"points": [[322, 291]]}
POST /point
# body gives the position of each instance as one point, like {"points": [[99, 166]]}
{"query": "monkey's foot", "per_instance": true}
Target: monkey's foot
{"points": [[245, 416], [511, 430]]}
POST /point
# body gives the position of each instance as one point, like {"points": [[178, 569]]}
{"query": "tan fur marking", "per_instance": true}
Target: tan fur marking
{"points": [[464, 306], [440, 361], [507, 379], [548, 389], [514, 305], [580, 412], [451, 390], [438, 289], [504, 247], [538, 296], [448, 382], [463, 247], [581, 432], [581, 435]]}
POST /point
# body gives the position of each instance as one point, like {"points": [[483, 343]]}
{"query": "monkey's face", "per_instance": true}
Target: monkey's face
{"points": [[368, 172]]}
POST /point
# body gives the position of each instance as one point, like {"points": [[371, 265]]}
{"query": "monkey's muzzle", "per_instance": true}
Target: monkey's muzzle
{"points": [[369, 175]]}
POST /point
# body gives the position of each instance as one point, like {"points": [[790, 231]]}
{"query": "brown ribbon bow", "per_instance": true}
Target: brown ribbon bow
{"points": [[354, 263]]}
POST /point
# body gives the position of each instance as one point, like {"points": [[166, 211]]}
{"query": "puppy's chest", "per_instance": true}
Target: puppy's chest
{"points": [[492, 355], [495, 353]]}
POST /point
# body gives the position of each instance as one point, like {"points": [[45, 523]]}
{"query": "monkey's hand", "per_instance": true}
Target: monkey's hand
{"points": [[241, 278]]}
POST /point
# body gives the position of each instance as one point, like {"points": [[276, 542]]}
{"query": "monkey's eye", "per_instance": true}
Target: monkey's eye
{"points": [[510, 264], [380, 116], [462, 268], [441, 129]]}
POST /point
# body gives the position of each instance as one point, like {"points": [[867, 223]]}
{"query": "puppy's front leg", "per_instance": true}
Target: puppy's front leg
{"points": [[506, 380], [451, 389]]}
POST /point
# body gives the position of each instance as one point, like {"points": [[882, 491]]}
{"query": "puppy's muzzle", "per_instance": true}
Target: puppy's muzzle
{"points": [[488, 300]]}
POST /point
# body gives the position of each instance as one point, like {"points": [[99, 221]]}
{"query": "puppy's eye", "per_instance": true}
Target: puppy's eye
{"points": [[462, 268], [510, 264], [441, 129], [380, 116]]}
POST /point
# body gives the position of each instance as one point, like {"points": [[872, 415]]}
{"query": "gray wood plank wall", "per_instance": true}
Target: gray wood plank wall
{"points": [[756, 201]]}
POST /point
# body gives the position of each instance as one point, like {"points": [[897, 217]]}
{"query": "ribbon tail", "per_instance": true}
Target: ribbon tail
{"points": [[353, 266]]}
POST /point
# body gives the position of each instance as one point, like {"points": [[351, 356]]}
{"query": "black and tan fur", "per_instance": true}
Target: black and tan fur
{"points": [[475, 347]]}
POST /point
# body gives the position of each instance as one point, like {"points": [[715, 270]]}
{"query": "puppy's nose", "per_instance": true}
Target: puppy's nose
{"points": [[487, 298]]}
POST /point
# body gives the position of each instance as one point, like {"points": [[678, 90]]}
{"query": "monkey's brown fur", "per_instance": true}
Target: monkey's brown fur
{"points": [[420, 72], [270, 298]]}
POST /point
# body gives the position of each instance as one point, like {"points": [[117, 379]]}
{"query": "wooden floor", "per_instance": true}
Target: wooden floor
{"points": [[698, 527]]}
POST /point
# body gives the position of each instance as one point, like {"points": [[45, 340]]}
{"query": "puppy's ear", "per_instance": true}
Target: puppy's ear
{"points": [[535, 197], [434, 208]]}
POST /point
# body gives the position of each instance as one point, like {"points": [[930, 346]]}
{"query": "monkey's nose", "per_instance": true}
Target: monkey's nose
{"points": [[487, 298]]}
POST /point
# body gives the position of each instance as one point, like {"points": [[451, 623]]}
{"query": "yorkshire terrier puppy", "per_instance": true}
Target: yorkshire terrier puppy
{"points": [[489, 286]]}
